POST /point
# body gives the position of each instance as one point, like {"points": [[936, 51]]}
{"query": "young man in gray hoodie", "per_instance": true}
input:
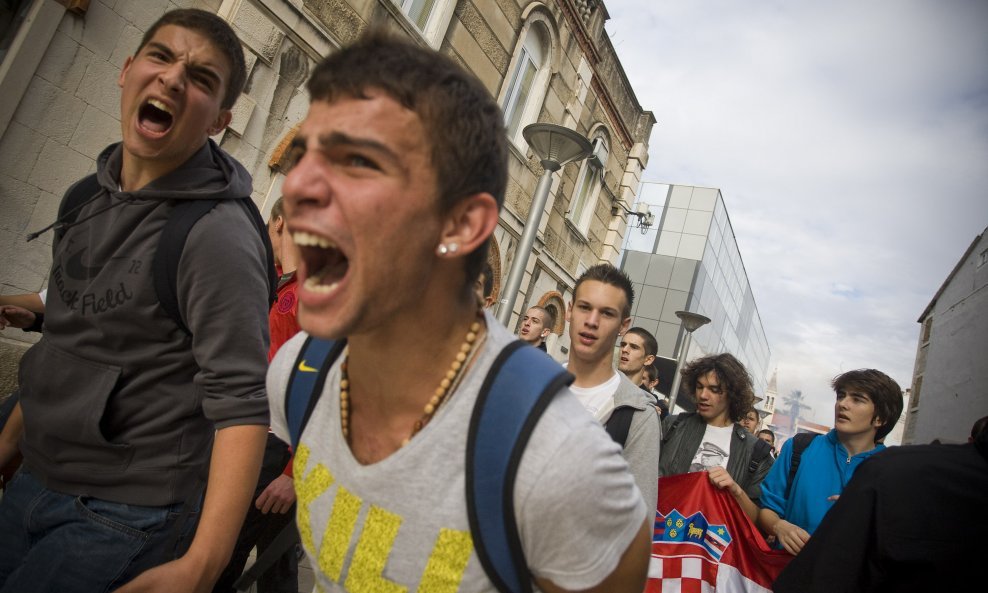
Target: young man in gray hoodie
{"points": [[123, 411], [599, 313]]}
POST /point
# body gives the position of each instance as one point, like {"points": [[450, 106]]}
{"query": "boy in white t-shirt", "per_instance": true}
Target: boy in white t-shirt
{"points": [[711, 439], [599, 313]]}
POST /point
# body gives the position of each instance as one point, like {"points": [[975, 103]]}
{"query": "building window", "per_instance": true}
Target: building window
{"points": [[528, 81], [418, 11], [430, 17], [917, 389], [983, 258], [588, 184]]}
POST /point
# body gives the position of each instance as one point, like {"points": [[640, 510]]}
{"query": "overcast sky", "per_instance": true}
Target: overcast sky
{"points": [[850, 142]]}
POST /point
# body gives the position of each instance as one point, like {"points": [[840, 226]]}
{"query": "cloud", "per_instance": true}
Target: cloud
{"points": [[850, 141]]}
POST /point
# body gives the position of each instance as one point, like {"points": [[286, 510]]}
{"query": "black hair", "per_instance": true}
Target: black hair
{"points": [[608, 274], [219, 32]]}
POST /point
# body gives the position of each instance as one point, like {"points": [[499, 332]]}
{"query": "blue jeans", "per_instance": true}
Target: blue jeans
{"points": [[54, 542]]}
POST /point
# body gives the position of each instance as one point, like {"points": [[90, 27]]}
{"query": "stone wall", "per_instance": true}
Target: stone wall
{"points": [[70, 112]]}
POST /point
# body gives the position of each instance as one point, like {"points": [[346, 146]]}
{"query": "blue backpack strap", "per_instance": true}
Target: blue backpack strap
{"points": [[306, 382], [518, 388]]}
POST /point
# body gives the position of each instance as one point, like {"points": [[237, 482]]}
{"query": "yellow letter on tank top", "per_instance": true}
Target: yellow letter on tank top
{"points": [[448, 561], [339, 531], [307, 489], [365, 574]]}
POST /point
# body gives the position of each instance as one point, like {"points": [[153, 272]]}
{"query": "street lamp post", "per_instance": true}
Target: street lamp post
{"points": [[691, 323], [555, 146]]}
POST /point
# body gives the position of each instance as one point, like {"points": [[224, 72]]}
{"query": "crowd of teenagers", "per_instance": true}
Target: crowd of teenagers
{"points": [[331, 382]]}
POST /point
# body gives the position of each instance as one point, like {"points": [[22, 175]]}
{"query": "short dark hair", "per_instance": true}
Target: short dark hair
{"points": [[550, 317], [734, 380], [277, 210], [462, 122], [651, 346], [884, 392], [768, 432], [219, 32], [608, 274], [651, 371]]}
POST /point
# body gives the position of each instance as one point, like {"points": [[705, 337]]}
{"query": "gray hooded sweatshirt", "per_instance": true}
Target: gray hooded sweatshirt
{"points": [[641, 449], [119, 403]]}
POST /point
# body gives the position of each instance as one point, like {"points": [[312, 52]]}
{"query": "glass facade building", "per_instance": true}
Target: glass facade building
{"points": [[690, 261]]}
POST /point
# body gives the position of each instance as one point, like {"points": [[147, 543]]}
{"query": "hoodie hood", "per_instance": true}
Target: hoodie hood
{"points": [[209, 174]]}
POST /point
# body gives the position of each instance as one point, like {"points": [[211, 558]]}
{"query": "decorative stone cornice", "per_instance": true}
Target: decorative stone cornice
{"points": [[580, 27], [620, 126]]}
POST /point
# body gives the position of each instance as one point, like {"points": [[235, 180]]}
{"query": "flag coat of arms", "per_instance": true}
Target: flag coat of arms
{"points": [[704, 543]]}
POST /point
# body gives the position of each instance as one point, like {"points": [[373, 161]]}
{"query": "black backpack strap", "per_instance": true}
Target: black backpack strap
{"points": [[518, 388], [74, 198], [619, 424], [306, 381], [276, 548], [761, 451], [258, 221], [799, 444], [164, 267]]}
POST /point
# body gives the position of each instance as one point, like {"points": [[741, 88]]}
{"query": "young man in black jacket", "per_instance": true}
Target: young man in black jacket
{"points": [[711, 439]]}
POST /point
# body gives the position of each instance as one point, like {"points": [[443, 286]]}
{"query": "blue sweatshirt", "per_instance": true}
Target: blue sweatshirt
{"points": [[824, 470]]}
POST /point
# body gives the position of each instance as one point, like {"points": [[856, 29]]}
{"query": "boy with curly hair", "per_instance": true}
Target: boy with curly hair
{"points": [[711, 439]]}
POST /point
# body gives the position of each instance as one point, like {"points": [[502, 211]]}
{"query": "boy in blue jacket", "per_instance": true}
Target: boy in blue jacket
{"points": [[868, 405]]}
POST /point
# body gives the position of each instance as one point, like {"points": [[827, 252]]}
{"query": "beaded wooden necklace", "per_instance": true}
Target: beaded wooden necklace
{"points": [[446, 386]]}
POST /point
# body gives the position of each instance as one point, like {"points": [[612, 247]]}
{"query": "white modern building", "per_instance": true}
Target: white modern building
{"points": [[690, 261]]}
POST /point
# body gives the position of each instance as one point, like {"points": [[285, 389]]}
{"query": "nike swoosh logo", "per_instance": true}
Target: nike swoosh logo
{"points": [[306, 368], [77, 270]]}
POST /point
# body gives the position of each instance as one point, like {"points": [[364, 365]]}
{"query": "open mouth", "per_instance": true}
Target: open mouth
{"points": [[325, 263], [155, 117], [587, 338]]}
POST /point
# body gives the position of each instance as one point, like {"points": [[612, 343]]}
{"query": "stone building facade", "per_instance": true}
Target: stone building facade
{"points": [[544, 61]]}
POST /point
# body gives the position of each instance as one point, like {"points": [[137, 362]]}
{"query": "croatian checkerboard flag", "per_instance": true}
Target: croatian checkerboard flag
{"points": [[703, 542]]}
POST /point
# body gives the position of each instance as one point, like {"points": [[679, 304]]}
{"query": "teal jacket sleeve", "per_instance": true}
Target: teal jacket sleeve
{"points": [[774, 485]]}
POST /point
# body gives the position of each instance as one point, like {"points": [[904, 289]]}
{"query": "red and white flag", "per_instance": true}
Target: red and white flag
{"points": [[703, 542]]}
